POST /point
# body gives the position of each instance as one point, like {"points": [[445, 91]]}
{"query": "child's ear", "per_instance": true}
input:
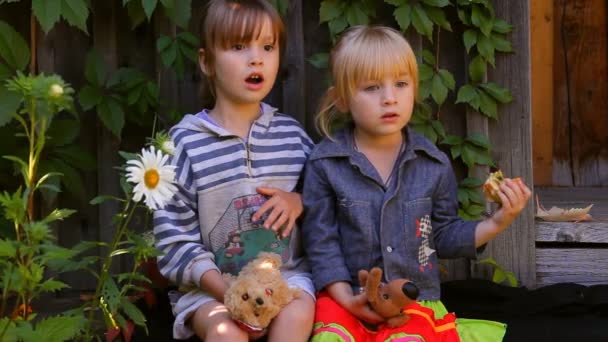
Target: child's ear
{"points": [[339, 102], [201, 63]]}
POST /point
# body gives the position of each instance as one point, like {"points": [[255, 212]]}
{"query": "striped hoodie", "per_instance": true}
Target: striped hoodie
{"points": [[207, 224]]}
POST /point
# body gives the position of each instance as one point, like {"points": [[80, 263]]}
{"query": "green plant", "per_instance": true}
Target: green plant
{"points": [[483, 36], [500, 275]]}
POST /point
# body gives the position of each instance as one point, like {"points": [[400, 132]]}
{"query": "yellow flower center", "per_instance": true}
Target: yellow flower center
{"points": [[151, 178]]}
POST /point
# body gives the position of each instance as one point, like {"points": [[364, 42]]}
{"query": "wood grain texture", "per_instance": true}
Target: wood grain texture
{"points": [[541, 49], [511, 138], [294, 90], [581, 93], [583, 266], [585, 232]]}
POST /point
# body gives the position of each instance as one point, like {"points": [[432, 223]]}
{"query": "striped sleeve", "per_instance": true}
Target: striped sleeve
{"points": [[176, 227]]}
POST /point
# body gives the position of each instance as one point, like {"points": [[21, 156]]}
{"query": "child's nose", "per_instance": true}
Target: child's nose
{"points": [[256, 58], [389, 97]]}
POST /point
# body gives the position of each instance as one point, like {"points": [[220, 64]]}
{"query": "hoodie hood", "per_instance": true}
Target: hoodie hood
{"points": [[194, 122]]}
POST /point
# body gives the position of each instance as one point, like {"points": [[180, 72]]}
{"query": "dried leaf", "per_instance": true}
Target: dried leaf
{"points": [[556, 214]]}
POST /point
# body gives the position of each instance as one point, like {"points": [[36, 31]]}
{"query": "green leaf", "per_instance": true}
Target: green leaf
{"points": [[355, 15], [76, 13], [470, 38], [9, 104], [439, 129], [447, 78], [111, 114], [48, 12], [499, 276], [180, 12], [466, 93], [7, 249], [487, 105], [337, 25], [52, 285], [477, 69], [428, 57], [102, 198], [403, 16], [439, 91], [501, 43], [471, 182], [437, 15], [5, 73], [456, 151], [485, 48], [425, 72], [396, 2], [13, 48], [329, 10], [463, 198], [421, 22], [481, 19], [136, 13], [133, 312], [58, 214], [452, 140], [61, 328], [169, 56], [111, 294], [319, 60], [89, 97], [500, 94], [149, 7], [501, 26], [95, 70], [475, 210], [436, 3], [479, 139]]}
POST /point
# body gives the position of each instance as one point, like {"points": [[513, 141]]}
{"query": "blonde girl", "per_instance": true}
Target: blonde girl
{"points": [[378, 194]]}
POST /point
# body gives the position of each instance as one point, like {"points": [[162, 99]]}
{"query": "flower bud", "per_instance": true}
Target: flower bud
{"points": [[55, 91], [168, 147]]}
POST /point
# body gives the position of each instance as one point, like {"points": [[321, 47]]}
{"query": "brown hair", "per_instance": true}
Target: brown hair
{"points": [[363, 53], [232, 21]]}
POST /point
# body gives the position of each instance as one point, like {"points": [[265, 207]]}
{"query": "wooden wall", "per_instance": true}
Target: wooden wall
{"points": [[570, 80], [297, 92]]}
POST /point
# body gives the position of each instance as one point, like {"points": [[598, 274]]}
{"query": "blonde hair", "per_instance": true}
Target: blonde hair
{"points": [[363, 53], [228, 22]]}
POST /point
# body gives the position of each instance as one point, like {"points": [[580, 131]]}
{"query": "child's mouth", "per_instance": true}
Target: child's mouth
{"points": [[255, 79]]}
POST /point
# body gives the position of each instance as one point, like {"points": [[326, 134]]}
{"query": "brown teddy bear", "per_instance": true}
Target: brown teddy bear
{"points": [[388, 300], [258, 293]]}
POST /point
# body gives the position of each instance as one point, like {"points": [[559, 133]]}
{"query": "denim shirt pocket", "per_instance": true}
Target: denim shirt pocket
{"points": [[418, 231], [356, 233]]}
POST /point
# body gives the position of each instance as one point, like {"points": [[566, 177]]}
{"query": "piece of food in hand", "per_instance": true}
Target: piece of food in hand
{"points": [[492, 186]]}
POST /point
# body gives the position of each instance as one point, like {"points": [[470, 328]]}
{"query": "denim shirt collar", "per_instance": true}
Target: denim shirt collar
{"points": [[341, 145]]}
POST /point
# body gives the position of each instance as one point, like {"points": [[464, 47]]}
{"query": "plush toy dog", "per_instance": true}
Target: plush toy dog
{"points": [[258, 293], [388, 300]]}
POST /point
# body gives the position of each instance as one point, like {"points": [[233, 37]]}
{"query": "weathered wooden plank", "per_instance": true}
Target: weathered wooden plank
{"points": [[105, 35], [583, 266], [511, 139], [566, 198], [581, 97], [541, 46], [294, 96], [586, 232]]}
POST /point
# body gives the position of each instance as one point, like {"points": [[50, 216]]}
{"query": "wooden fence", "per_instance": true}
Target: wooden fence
{"points": [[296, 92]]}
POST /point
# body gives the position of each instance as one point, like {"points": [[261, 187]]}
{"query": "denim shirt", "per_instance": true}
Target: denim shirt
{"points": [[353, 221]]}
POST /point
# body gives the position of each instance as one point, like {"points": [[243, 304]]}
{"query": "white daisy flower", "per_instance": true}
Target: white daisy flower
{"points": [[154, 180]]}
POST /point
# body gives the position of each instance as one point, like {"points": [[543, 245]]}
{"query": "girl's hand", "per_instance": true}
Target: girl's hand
{"points": [[514, 195], [285, 208], [357, 305]]}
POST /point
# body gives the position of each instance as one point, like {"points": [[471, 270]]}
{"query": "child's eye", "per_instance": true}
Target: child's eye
{"points": [[402, 84], [385, 296], [371, 87], [268, 47], [238, 47]]}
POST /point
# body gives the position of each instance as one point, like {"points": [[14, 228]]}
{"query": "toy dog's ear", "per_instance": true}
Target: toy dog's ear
{"points": [[363, 277], [373, 283]]}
